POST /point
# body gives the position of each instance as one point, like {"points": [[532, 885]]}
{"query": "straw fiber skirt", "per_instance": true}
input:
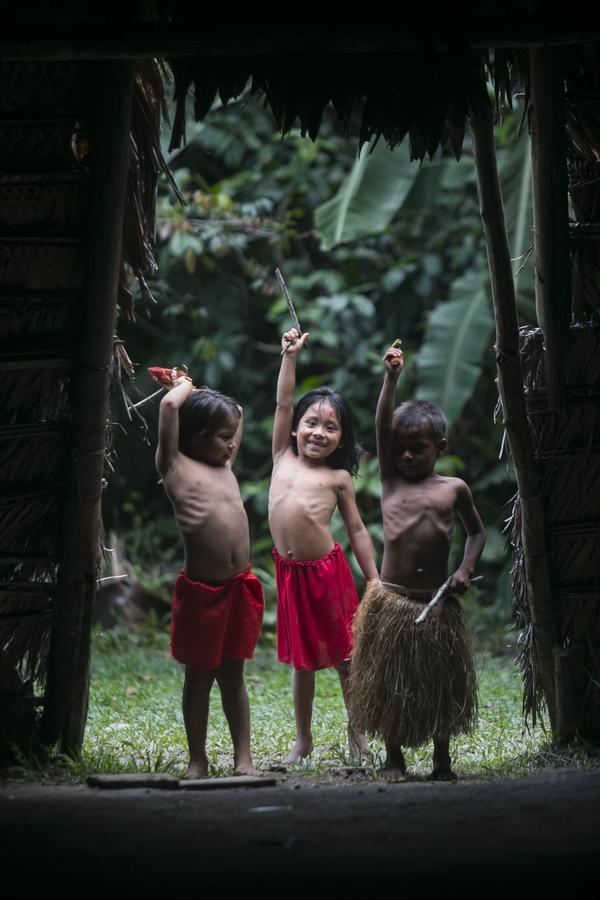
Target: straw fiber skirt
{"points": [[410, 683]]}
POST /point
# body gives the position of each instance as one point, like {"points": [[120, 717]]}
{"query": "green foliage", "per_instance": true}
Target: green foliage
{"points": [[135, 722], [409, 265], [458, 332]]}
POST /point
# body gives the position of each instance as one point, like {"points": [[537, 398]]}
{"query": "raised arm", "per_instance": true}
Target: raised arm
{"points": [[168, 422], [474, 543], [286, 383], [394, 363], [360, 540]]}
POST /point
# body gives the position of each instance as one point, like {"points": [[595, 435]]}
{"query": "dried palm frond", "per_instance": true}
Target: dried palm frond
{"points": [[33, 453], [41, 202], [35, 265], [38, 314], [408, 682], [567, 448], [34, 394]]}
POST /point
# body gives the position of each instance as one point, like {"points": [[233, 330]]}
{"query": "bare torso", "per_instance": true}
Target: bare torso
{"points": [[211, 518], [302, 498], [418, 521]]}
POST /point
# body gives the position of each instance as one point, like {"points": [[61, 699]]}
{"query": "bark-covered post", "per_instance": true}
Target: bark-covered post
{"points": [[510, 388], [66, 693], [550, 214]]}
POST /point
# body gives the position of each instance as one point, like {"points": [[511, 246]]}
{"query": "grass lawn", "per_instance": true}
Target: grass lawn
{"points": [[135, 722]]}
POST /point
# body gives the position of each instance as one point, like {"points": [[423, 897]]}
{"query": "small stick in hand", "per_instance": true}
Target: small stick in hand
{"points": [[438, 596], [288, 299]]}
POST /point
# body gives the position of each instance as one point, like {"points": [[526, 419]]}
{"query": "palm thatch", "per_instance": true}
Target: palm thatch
{"points": [[47, 142], [433, 111], [567, 449]]}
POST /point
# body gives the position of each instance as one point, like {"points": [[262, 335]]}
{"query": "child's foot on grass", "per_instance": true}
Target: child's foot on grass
{"points": [[300, 750], [394, 774], [358, 745], [442, 773], [246, 768]]}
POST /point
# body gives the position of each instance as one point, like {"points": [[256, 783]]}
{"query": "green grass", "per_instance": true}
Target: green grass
{"points": [[135, 722]]}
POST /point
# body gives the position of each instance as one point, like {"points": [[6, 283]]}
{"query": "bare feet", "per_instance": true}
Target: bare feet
{"points": [[300, 750], [394, 774], [442, 773], [358, 745], [246, 768], [197, 769]]}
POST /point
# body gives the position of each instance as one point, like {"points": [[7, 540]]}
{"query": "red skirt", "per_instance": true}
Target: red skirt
{"points": [[211, 621], [316, 602]]}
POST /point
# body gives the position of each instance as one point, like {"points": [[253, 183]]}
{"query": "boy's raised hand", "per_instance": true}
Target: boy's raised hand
{"points": [[292, 341], [393, 361]]}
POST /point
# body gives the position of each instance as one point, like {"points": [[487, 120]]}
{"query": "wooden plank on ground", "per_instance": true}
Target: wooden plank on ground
{"points": [[138, 780], [233, 781]]}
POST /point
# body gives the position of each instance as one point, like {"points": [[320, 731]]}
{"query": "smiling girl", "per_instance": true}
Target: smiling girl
{"points": [[315, 454]]}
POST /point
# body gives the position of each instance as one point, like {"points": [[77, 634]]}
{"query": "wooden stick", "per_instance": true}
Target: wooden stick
{"points": [[288, 300], [63, 40], [441, 592]]}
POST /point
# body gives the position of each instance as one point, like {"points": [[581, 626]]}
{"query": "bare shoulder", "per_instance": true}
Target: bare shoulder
{"points": [[343, 480], [184, 471], [461, 490]]}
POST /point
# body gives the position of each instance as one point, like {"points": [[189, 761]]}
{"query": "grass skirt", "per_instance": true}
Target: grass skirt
{"points": [[410, 683]]}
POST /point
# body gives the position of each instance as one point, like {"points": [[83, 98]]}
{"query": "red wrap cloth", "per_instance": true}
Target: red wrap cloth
{"points": [[217, 619], [316, 602]]}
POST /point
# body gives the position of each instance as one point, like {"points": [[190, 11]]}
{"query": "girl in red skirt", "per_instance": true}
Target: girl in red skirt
{"points": [[315, 454]]}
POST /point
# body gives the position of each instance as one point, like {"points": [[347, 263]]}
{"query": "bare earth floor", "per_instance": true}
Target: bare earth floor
{"points": [[341, 836]]}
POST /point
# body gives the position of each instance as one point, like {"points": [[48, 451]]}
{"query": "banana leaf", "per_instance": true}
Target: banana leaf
{"points": [[457, 334], [515, 177], [378, 183]]}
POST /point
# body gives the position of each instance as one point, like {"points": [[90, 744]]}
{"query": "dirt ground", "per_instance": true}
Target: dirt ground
{"points": [[341, 836]]}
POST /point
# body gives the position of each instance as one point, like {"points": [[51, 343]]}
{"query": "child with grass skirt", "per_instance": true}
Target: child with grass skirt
{"points": [[315, 454], [409, 682]]}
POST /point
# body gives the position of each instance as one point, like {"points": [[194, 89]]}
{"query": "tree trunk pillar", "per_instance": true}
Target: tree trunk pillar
{"points": [[510, 389], [550, 214], [66, 694]]}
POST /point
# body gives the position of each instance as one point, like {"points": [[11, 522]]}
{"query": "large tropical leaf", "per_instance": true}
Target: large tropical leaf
{"points": [[379, 184], [457, 334], [515, 176], [375, 189]]}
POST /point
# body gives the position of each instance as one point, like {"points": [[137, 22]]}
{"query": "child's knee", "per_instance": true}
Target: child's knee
{"points": [[199, 681], [230, 673]]}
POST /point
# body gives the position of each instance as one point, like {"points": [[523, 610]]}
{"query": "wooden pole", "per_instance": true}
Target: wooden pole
{"points": [[68, 666], [550, 215], [510, 389], [116, 39]]}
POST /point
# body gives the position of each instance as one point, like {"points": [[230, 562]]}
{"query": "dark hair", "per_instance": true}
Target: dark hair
{"points": [[347, 454], [202, 413], [421, 414]]}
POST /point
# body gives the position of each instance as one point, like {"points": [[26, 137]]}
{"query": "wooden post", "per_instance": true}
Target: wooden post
{"points": [[68, 666], [569, 680], [550, 214], [510, 388]]}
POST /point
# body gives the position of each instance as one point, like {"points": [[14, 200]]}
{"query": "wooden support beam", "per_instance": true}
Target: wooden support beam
{"points": [[68, 665], [132, 40], [550, 215], [510, 389], [569, 679]]}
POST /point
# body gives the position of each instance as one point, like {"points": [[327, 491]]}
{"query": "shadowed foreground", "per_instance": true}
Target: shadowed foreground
{"points": [[300, 838]]}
